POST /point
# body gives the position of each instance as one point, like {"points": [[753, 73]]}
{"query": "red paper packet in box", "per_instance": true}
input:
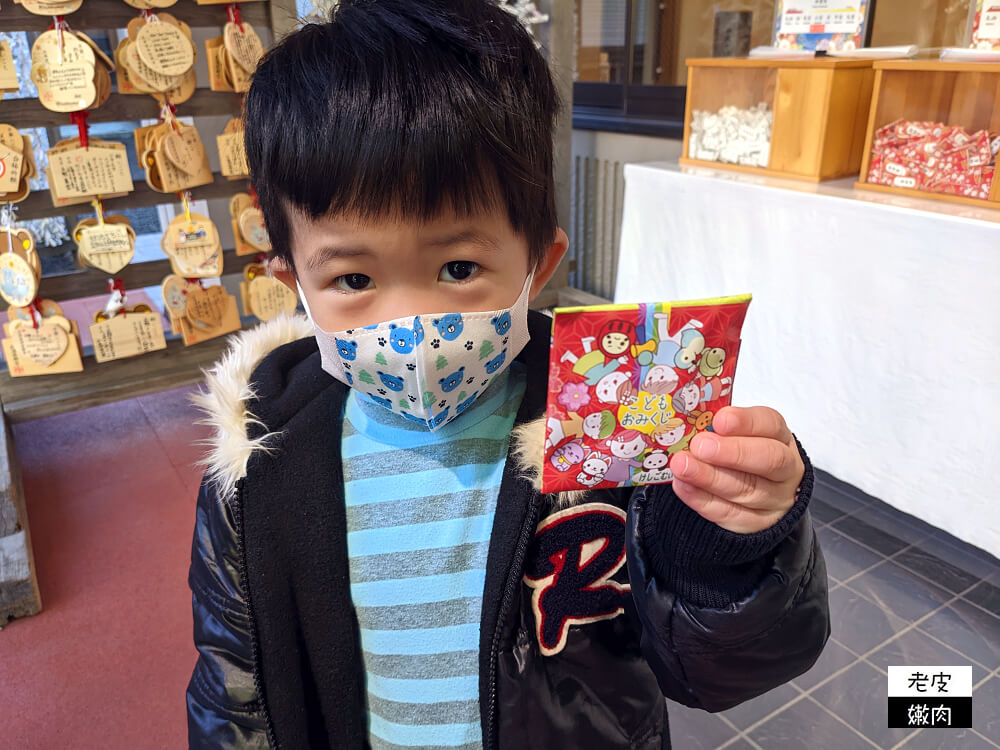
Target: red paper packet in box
{"points": [[631, 385]]}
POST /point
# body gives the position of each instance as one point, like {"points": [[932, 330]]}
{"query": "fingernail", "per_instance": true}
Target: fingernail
{"points": [[706, 446]]}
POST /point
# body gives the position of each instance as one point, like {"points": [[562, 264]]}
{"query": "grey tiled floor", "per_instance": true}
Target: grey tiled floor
{"points": [[901, 593]]}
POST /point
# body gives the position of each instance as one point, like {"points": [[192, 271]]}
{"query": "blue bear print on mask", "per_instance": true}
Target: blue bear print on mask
{"points": [[451, 382], [466, 404], [403, 340], [381, 401], [415, 418], [494, 364], [449, 326], [391, 381], [501, 323], [438, 419], [350, 378], [348, 349]]}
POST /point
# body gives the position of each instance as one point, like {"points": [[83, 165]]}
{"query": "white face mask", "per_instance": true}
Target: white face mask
{"points": [[427, 368]]}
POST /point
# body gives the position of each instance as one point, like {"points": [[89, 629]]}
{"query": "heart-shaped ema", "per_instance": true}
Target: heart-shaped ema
{"points": [[194, 246], [184, 149], [165, 49], [109, 247], [253, 230], [243, 45], [205, 307], [43, 345], [270, 298], [175, 293]]}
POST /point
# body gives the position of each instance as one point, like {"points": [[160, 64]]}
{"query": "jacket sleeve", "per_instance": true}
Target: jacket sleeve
{"points": [[725, 617], [222, 701]]}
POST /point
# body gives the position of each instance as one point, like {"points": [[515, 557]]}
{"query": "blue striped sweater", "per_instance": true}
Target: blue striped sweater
{"points": [[420, 509]]}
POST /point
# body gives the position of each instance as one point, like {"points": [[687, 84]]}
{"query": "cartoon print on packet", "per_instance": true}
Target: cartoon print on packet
{"points": [[631, 385]]}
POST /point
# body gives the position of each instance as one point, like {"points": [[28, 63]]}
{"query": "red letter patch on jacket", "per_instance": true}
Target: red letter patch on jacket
{"points": [[575, 553]]}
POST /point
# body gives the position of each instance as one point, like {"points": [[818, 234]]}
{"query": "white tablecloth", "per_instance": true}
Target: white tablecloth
{"points": [[875, 327]]}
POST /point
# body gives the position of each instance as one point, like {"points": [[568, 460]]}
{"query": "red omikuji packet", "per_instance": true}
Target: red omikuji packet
{"points": [[934, 157], [631, 385]]}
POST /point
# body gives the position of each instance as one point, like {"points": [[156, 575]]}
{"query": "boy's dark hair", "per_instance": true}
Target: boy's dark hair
{"points": [[399, 108]]}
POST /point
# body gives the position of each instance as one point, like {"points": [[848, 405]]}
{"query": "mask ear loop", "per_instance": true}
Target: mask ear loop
{"points": [[302, 299]]}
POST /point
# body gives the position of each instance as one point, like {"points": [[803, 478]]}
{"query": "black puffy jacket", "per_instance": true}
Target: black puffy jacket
{"points": [[592, 613]]}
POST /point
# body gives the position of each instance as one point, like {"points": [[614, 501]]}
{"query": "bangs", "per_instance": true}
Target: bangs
{"points": [[397, 110]]}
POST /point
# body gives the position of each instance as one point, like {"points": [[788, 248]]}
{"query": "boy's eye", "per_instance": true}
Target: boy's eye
{"points": [[352, 282], [458, 270]]}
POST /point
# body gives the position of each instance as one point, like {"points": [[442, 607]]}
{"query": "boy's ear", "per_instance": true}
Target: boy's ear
{"points": [[549, 263], [279, 269]]}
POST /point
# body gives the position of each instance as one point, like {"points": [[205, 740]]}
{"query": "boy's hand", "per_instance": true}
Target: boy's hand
{"points": [[742, 477]]}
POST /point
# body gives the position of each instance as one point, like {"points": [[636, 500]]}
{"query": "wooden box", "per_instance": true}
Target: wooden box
{"points": [[820, 111], [964, 94]]}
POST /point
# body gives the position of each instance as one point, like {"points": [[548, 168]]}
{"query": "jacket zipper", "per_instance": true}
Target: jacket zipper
{"points": [[513, 580], [254, 649]]}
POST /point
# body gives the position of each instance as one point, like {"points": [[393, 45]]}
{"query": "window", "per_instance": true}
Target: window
{"points": [[630, 73]]}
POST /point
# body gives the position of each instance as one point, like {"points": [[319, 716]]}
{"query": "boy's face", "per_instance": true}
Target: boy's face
{"points": [[355, 274]]}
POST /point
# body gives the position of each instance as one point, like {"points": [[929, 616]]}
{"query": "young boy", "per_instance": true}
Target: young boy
{"points": [[371, 567]]}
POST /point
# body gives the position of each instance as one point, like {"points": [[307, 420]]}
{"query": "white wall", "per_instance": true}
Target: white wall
{"points": [[875, 326]]}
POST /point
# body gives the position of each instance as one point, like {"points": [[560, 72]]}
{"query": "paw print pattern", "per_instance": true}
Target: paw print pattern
{"points": [[436, 343], [505, 339], [347, 365], [485, 382], [469, 381], [411, 367], [413, 399], [382, 391], [468, 346], [442, 403], [381, 341]]}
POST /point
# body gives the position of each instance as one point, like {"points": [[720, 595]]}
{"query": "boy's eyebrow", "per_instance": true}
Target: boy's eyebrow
{"points": [[329, 252], [465, 236]]}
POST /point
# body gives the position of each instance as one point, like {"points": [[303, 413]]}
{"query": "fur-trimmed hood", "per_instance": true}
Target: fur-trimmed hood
{"points": [[228, 390]]}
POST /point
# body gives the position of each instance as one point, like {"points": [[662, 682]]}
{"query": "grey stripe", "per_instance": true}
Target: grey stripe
{"points": [[378, 743], [432, 615], [413, 510], [451, 712], [425, 562], [425, 457], [418, 666]]}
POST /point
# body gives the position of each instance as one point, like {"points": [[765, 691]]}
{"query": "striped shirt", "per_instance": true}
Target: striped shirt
{"points": [[420, 509]]}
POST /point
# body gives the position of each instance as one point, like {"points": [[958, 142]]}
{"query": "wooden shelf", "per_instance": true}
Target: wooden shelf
{"points": [[93, 15], [913, 193], [102, 383], [746, 62], [29, 112], [942, 66], [90, 281], [38, 205]]}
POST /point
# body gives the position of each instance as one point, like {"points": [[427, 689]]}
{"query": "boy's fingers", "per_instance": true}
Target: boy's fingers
{"points": [[748, 490], [753, 421], [732, 517], [764, 457]]}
